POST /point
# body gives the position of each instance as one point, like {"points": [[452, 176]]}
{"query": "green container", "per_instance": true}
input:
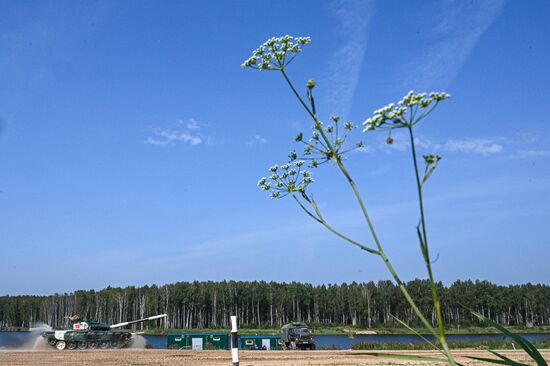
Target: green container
{"points": [[260, 342], [198, 341]]}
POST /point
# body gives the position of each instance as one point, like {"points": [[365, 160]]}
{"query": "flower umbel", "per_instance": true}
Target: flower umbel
{"points": [[431, 161], [326, 142], [406, 113], [289, 180], [276, 53]]}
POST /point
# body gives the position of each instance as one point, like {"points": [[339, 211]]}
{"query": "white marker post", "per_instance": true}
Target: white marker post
{"points": [[234, 341]]}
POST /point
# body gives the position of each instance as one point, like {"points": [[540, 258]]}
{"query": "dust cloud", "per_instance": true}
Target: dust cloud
{"points": [[25, 341], [138, 342]]}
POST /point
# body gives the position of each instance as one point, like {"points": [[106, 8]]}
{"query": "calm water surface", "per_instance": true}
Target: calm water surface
{"points": [[10, 340]]}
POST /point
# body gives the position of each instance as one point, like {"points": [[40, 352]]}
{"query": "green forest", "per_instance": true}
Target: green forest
{"points": [[262, 304]]}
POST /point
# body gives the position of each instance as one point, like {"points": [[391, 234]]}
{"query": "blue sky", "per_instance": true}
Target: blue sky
{"points": [[131, 141]]}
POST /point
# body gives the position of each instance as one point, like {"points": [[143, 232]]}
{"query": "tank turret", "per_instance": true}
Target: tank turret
{"points": [[91, 334]]}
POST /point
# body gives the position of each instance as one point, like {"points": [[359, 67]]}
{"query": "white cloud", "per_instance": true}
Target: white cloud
{"points": [[187, 132], [460, 26], [192, 125], [345, 64], [531, 153], [517, 147], [473, 146], [366, 149], [257, 140], [477, 146]]}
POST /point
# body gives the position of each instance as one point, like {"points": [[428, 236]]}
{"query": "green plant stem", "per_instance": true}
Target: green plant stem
{"points": [[298, 95], [319, 218], [369, 222], [426, 251], [306, 210], [330, 228], [361, 204], [309, 111], [382, 254]]}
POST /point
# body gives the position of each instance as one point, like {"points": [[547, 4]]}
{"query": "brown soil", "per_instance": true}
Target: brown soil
{"points": [[135, 357]]}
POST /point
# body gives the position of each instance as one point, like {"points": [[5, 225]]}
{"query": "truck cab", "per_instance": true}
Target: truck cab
{"points": [[296, 336]]}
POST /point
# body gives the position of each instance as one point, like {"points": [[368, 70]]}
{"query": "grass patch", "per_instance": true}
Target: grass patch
{"points": [[371, 346]]}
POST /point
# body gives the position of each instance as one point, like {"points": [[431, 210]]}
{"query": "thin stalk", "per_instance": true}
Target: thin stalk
{"points": [[306, 210], [339, 162], [367, 218], [309, 111], [298, 96], [361, 204], [426, 251], [325, 223], [381, 252]]}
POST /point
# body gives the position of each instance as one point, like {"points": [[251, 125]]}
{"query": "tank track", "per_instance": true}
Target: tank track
{"points": [[82, 341]]}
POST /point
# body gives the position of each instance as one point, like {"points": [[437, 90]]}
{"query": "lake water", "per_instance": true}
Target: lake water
{"points": [[344, 342], [9, 340]]}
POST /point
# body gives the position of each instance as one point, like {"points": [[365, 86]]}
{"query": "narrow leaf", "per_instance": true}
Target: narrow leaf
{"points": [[423, 247], [524, 343], [512, 362], [406, 357], [418, 334], [500, 362]]}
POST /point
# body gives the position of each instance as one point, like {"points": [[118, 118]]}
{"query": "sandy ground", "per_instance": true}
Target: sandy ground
{"points": [[134, 357]]}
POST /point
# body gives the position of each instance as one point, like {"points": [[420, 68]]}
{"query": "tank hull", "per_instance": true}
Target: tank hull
{"points": [[92, 334], [83, 339]]}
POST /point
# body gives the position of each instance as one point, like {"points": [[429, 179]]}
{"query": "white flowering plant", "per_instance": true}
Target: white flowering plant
{"points": [[276, 53], [407, 113], [287, 179], [328, 143]]}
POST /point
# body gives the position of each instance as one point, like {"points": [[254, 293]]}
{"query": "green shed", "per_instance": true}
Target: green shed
{"points": [[261, 341], [198, 341]]}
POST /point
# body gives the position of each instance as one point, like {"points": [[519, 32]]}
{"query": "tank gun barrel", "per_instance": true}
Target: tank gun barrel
{"points": [[137, 321]]}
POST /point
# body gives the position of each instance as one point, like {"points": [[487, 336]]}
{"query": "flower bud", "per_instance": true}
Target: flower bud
{"points": [[310, 84]]}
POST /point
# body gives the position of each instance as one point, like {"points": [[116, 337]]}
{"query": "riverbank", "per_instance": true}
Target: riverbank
{"points": [[219, 358], [336, 330], [351, 331]]}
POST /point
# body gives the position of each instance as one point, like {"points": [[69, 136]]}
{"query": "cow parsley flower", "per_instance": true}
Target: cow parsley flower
{"points": [[410, 110], [276, 53], [326, 142], [293, 180]]}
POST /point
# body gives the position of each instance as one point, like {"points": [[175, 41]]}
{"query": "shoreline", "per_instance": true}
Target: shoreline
{"points": [[327, 331], [353, 331]]}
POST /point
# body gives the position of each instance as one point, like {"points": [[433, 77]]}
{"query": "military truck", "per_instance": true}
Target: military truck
{"points": [[296, 336], [92, 334]]}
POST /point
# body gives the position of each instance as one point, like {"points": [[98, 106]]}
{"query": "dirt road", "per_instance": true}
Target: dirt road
{"points": [[134, 357]]}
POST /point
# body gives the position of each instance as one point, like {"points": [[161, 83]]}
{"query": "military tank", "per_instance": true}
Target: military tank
{"points": [[91, 334]]}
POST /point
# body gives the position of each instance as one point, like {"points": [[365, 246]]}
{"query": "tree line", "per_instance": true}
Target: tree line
{"points": [[270, 304]]}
